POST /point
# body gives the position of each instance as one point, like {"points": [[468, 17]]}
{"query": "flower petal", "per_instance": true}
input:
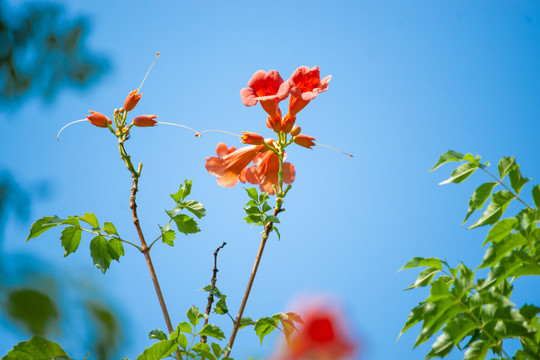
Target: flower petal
{"points": [[288, 173], [222, 150], [228, 180], [248, 97], [253, 176], [215, 166]]}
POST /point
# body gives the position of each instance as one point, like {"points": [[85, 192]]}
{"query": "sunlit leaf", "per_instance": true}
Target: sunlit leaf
{"points": [[264, 326], [499, 202], [109, 228], [90, 219], [42, 225], [212, 331], [71, 238], [186, 224], [424, 278], [35, 348], [505, 165], [157, 334], [500, 230], [517, 181], [420, 261], [99, 251], [447, 157], [461, 173], [116, 249], [479, 197], [159, 350]]}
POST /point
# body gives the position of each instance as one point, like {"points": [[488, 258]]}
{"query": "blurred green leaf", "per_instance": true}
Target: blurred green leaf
{"points": [[461, 173], [446, 157], [34, 310], [500, 230], [505, 165], [221, 307], [499, 202], [99, 251], [107, 329], [500, 249], [420, 261], [157, 334], [424, 278], [212, 331], [216, 349], [42, 225], [168, 235], [194, 315], [536, 196], [246, 321], [159, 350], [517, 181], [116, 249], [71, 238], [109, 228], [204, 351], [253, 194], [36, 348], [90, 219], [477, 350], [272, 219], [479, 197]]}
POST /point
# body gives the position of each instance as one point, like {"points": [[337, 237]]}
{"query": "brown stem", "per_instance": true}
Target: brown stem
{"points": [[266, 233], [145, 250], [212, 286]]}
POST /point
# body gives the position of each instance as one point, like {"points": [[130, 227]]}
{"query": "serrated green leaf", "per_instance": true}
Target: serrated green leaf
{"points": [[264, 326], [183, 192], [246, 321], [424, 278], [42, 225], [216, 349], [35, 348], [212, 331], [157, 334], [477, 350], [116, 249], [182, 341], [479, 197], [500, 230], [195, 207], [90, 219], [109, 228], [167, 235], [253, 210], [536, 196], [500, 249], [265, 208], [499, 202], [159, 350], [461, 173], [194, 314], [221, 307], [186, 224], [505, 165], [99, 251], [420, 261], [446, 157], [203, 350], [253, 194], [517, 181], [71, 238]]}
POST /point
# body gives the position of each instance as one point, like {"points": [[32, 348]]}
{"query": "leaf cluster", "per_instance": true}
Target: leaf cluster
{"points": [[257, 208], [475, 312]]}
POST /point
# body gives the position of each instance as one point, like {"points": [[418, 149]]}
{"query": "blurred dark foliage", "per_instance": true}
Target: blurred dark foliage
{"points": [[42, 51]]}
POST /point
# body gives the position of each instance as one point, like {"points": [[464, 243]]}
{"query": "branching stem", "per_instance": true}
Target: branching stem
{"points": [[212, 286], [506, 187]]}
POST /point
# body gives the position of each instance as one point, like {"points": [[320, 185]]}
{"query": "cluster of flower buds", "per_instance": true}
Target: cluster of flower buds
{"points": [[269, 89]]}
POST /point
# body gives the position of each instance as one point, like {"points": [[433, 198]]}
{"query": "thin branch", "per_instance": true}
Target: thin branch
{"points": [[212, 286], [506, 187], [145, 250]]}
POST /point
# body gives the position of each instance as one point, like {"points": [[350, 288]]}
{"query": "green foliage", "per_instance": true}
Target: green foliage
{"points": [[104, 247], [159, 350], [475, 313], [257, 208], [33, 309], [36, 348], [185, 223]]}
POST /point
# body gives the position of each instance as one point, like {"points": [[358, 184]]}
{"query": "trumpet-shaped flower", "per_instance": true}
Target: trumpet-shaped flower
{"points": [[265, 172], [132, 100], [145, 120], [98, 119], [251, 138], [268, 88], [230, 164], [304, 140], [305, 85]]}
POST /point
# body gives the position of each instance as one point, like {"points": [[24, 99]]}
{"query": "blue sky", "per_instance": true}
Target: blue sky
{"points": [[410, 81]]}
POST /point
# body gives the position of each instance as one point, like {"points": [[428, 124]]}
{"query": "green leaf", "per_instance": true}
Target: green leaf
{"points": [[221, 306], [181, 339], [500, 230], [204, 351], [272, 219], [35, 348], [168, 235], [499, 202], [481, 194], [264, 326], [116, 249], [183, 192], [214, 291], [505, 165], [195, 207], [109, 228], [157, 334], [536, 196], [99, 251], [500, 249], [517, 181], [217, 349], [90, 219], [437, 314], [42, 225], [424, 278], [246, 321], [71, 238], [186, 224], [194, 314], [529, 311], [477, 350], [159, 350], [252, 193], [34, 310], [420, 261], [274, 228], [461, 173], [212, 331], [446, 157]]}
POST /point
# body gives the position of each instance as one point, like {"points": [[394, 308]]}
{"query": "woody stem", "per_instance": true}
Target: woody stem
{"points": [[145, 249]]}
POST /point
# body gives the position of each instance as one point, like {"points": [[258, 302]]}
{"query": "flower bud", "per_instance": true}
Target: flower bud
{"points": [[287, 123], [304, 140], [274, 124], [295, 130], [251, 138], [98, 119], [145, 120], [132, 100]]}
